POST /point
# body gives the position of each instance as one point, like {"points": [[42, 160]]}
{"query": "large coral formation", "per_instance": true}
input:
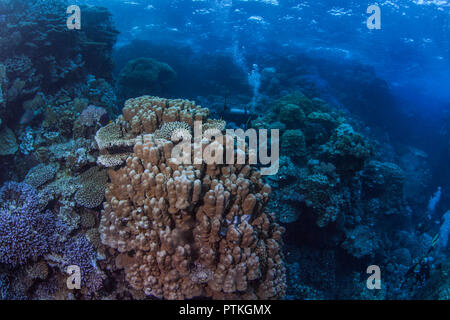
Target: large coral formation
{"points": [[39, 56], [348, 149], [146, 114], [341, 190], [186, 231]]}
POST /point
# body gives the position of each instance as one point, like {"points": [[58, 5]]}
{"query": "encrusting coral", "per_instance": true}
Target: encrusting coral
{"points": [[184, 231], [40, 174]]}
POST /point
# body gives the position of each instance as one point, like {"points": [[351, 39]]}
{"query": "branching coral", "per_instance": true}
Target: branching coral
{"points": [[25, 231], [384, 181], [80, 252]]}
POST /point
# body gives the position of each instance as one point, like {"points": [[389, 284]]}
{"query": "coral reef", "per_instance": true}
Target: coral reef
{"points": [[87, 183], [327, 153]]}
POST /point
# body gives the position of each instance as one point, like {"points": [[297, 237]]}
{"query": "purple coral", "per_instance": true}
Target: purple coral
{"points": [[80, 252], [24, 230], [92, 115]]}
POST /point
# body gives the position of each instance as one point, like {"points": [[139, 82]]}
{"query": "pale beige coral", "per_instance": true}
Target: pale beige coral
{"points": [[112, 160], [146, 114], [184, 231]]}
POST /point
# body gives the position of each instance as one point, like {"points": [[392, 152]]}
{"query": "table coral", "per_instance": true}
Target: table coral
{"points": [[91, 191]]}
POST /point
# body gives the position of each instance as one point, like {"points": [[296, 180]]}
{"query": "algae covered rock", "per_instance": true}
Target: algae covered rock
{"points": [[145, 76], [347, 148], [298, 99], [293, 143], [384, 181], [8, 142], [291, 114]]}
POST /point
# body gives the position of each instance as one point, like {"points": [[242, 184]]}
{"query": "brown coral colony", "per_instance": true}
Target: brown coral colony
{"points": [[184, 231]]}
